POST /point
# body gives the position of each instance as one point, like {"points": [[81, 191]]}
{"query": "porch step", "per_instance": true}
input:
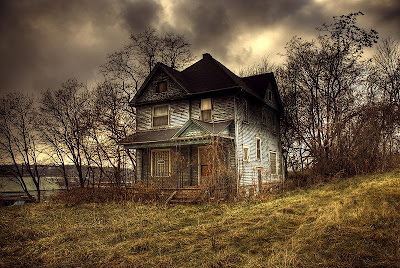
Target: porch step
{"points": [[184, 196]]}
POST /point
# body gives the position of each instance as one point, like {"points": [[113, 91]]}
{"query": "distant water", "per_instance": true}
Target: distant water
{"points": [[48, 186]]}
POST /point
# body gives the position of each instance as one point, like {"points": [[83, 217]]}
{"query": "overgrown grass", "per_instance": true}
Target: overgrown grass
{"points": [[351, 223]]}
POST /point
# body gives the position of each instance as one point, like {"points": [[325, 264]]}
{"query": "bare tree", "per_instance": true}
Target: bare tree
{"points": [[264, 66], [322, 79], [19, 138], [67, 115]]}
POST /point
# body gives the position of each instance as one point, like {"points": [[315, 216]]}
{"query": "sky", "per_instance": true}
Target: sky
{"points": [[45, 42]]}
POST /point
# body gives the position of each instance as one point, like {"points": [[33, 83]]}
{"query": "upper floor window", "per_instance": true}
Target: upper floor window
{"points": [[246, 154], [269, 94], [161, 87], [274, 124], [160, 115], [258, 148], [206, 110], [245, 112], [273, 163], [264, 116]]}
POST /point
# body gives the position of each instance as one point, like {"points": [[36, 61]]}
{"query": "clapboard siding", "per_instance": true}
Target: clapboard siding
{"points": [[248, 132], [223, 108], [178, 114]]}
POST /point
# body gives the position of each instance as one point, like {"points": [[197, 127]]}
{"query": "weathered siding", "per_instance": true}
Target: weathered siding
{"points": [[222, 108], [178, 114], [174, 90], [248, 132]]}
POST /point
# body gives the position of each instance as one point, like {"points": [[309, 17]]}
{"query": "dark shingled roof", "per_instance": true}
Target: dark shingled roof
{"points": [[150, 136], [209, 75]]}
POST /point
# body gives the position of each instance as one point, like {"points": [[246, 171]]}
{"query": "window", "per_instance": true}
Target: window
{"points": [[205, 108], [269, 94], [272, 163], [161, 87], [245, 112], [246, 154], [160, 116], [258, 148], [264, 116], [160, 163], [273, 124]]}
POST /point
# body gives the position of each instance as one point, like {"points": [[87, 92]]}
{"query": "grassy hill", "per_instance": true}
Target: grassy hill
{"points": [[350, 223]]}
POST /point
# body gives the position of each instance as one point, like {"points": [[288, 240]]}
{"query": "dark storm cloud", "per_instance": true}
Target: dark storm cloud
{"points": [[44, 42], [215, 24]]}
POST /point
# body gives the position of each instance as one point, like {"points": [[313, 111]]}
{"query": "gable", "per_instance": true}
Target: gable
{"points": [[193, 130], [149, 94], [269, 92]]}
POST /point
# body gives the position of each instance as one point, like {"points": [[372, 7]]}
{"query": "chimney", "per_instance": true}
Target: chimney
{"points": [[207, 56]]}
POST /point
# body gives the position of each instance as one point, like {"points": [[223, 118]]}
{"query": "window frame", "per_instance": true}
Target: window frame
{"points": [[245, 111], [269, 94], [248, 153], [258, 150], [152, 116], [276, 162], [158, 87], [151, 162], [211, 110]]}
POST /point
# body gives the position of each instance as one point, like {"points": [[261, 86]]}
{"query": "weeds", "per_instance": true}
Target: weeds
{"points": [[348, 223]]}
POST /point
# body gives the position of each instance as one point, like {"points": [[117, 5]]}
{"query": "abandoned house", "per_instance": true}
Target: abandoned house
{"points": [[181, 112]]}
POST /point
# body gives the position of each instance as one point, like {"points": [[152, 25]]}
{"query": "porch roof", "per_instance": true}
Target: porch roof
{"points": [[173, 137]]}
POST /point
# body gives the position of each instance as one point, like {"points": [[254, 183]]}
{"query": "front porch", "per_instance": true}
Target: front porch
{"points": [[178, 158]]}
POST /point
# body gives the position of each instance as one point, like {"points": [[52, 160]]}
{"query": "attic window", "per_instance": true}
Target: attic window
{"points": [[269, 94], [161, 87], [206, 108]]}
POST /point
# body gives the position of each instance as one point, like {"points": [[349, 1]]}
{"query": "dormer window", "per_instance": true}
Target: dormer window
{"points": [[269, 94], [161, 87], [160, 116], [206, 110]]}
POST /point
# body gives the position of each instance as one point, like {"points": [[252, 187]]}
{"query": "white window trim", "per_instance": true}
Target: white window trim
{"points": [[151, 162], [248, 153], [201, 115], [259, 159], [152, 115], [276, 162]]}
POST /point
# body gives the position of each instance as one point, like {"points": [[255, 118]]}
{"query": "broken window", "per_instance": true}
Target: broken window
{"points": [[160, 163], [206, 108], [160, 116]]}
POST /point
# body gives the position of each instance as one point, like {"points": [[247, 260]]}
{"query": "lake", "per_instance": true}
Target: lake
{"points": [[48, 186]]}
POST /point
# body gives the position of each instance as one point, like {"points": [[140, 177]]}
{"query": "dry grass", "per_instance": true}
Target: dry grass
{"points": [[351, 223]]}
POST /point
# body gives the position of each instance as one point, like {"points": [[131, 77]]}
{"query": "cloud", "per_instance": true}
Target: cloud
{"points": [[44, 42]]}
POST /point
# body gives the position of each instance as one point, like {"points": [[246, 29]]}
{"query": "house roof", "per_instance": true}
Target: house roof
{"points": [[208, 75]]}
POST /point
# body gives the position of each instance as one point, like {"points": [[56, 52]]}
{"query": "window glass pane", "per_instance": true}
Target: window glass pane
{"points": [[205, 104], [258, 145], [272, 159], [246, 154], [160, 121], [206, 115], [161, 110], [161, 87]]}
